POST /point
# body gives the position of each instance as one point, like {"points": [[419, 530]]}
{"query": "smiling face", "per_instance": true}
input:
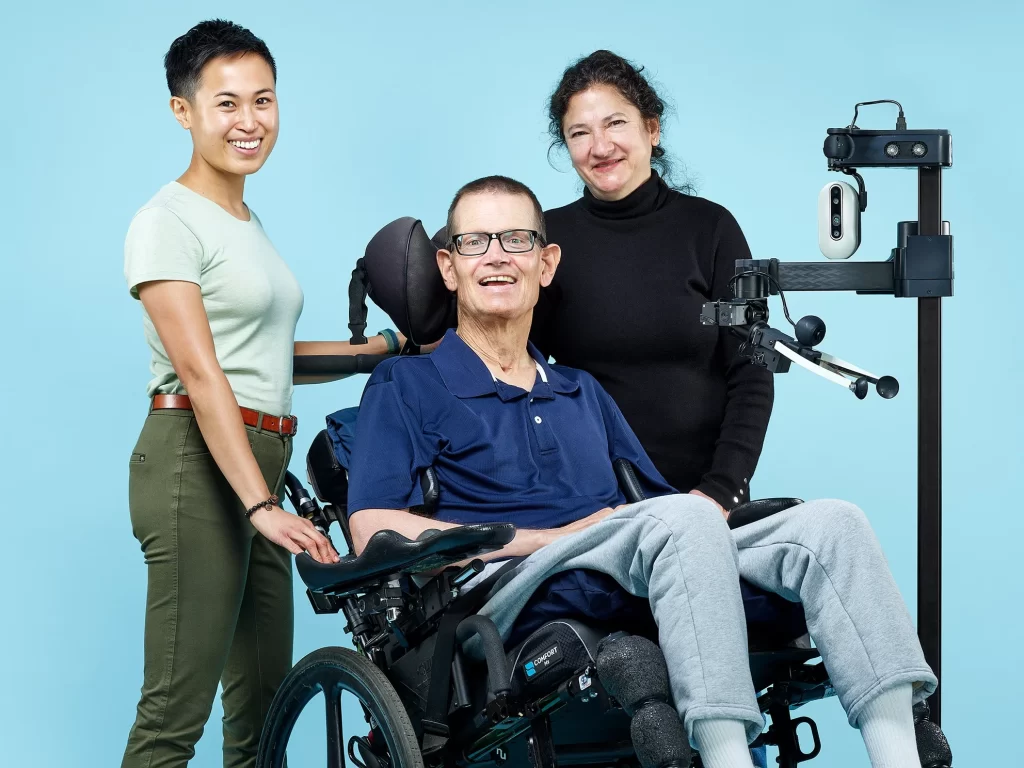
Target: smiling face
{"points": [[497, 284], [233, 116], [609, 142]]}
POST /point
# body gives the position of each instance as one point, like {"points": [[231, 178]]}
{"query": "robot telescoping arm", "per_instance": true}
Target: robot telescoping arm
{"points": [[776, 351]]}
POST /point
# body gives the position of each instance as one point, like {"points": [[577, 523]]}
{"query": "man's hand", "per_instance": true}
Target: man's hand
{"points": [[585, 522], [294, 533], [723, 510]]}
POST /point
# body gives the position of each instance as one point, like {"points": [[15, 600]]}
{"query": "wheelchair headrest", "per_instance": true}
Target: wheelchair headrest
{"points": [[404, 281]]}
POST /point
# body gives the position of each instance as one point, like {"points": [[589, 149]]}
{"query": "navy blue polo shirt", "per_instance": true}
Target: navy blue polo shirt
{"points": [[538, 459]]}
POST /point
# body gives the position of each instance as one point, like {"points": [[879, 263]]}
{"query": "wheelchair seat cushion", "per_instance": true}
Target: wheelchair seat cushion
{"points": [[590, 596], [598, 600]]}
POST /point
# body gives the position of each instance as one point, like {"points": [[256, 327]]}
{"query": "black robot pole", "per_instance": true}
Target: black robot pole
{"points": [[929, 445], [922, 269]]}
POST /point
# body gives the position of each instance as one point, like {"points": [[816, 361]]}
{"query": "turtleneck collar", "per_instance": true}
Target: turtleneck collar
{"points": [[647, 198]]}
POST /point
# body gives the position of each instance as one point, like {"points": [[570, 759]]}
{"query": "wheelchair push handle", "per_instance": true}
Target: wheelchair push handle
{"points": [[336, 365]]}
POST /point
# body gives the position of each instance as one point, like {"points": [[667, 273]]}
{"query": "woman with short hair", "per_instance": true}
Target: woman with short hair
{"points": [[220, 308]]}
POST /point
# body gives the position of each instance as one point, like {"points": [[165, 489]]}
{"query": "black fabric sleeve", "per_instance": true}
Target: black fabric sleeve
{"points": [[543, 319], [624, 444], [750, 388]]}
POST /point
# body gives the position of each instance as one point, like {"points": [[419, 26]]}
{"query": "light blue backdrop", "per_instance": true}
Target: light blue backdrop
{"points": [[375, 126]]}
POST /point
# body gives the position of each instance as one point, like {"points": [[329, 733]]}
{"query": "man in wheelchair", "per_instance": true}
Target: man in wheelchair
{"points": [[482, 432]]}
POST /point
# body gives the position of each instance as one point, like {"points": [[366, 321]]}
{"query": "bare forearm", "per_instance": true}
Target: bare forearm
{"points": [[220, 422]]}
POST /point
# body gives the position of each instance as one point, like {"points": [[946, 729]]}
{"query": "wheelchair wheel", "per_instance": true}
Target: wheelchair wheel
{"points": [[332, 671]]}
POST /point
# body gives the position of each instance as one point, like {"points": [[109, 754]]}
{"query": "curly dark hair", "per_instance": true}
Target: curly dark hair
{"points": [[607, 68], [206, 41]]}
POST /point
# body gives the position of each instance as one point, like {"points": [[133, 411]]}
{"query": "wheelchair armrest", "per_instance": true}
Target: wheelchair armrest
{"points": [[388, 553], [628, 482], [752, 511]]}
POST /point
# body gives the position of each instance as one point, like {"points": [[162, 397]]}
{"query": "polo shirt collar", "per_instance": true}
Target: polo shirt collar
{"points": [[465, 375]]}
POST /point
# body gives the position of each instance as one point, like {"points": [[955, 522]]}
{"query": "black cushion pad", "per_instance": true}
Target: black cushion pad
{"points": [[388, 552], [404, 280]]}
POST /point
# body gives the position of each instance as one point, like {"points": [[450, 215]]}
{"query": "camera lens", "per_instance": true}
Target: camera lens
{"points": [[835, 233], [835, 201], [835, 220]]}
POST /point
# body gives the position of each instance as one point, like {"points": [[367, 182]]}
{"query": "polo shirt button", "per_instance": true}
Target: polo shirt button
{"points": [[538, 419]]}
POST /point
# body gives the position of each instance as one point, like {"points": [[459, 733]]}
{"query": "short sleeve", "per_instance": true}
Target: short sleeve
{"points": [[160, 247], [388, 455], [624, 444]]}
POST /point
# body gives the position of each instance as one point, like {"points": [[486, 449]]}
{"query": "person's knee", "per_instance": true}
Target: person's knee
{"points": [[846, 518], [837, 524], [691, 516]]}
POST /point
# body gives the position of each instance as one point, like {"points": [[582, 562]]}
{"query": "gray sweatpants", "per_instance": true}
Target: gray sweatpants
{"points": [[678, 551]]}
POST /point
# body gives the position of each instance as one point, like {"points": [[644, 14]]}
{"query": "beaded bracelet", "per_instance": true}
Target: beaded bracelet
{"points": [[269, 504], [392, 340]]}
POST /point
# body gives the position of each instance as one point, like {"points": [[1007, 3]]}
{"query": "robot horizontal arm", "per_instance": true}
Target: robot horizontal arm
{"points": [[772, 349]]}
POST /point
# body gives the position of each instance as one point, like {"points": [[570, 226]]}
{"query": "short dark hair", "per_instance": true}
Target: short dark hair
{"points": [[206, 41], [607, 68], [496, 185]]}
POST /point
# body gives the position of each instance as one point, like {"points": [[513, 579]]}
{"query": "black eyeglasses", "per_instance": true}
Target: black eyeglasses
{"points": [[511, 240]]}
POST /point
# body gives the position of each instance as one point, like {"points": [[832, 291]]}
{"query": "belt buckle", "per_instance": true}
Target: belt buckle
{"points": [[280, 426]]}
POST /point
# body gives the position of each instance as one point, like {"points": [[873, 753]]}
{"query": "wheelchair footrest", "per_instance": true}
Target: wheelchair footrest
{"points": [[931, 741], [783, 734]]}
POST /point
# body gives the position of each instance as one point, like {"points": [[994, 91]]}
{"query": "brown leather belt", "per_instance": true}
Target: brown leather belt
{"points": [[282, 425]]}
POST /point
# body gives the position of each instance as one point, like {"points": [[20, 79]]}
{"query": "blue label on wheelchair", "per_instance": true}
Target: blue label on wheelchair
{"points": [[548, 658]]}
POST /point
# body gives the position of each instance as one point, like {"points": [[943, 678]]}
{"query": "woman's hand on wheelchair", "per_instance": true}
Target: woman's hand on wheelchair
{"points": [[294, 533], [721, 509]]}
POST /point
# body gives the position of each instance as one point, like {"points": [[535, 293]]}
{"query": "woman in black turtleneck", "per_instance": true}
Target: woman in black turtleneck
{"points": [[638, 260]]}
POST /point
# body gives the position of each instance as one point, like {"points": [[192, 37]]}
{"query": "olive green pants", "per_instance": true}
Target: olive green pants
{"points": [[219, 604]]}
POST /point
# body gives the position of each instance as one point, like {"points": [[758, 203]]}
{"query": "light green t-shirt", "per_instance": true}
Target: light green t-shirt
{"points": [[252, 299]]}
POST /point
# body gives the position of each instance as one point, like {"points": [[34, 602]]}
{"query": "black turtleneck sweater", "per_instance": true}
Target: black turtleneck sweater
{"points": [[625, 306]]}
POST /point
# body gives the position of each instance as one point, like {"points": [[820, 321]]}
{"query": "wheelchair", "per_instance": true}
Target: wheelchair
{"points": [[548, 698]]}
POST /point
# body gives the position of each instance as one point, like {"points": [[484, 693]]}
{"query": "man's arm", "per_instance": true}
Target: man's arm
{"points": [[366, 522], [390, 453]]}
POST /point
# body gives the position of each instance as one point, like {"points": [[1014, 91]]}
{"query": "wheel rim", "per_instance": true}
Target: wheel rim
{"points": [[332, 682]]}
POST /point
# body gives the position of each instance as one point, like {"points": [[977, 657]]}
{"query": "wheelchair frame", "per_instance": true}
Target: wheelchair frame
{"points": [[410, 628]]}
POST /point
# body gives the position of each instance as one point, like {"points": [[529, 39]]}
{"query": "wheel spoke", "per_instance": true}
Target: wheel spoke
{"points": [[335, 732]]}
